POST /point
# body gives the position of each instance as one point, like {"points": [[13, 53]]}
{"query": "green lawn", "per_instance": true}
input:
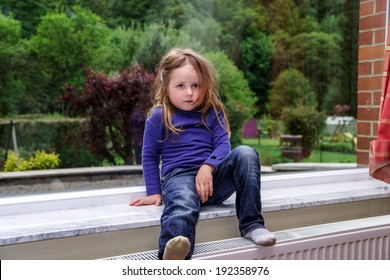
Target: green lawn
{"points": [[270, 153]]}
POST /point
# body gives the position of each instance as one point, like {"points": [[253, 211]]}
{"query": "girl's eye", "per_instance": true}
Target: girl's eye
{"points": [[180, 86], [196, 86]]}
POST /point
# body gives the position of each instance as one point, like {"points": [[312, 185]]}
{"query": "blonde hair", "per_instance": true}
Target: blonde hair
{"points": [[210, 98]]}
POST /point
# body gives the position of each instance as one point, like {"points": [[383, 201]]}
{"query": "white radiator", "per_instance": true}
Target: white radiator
{"points": [[363, 239], [361, 245]]}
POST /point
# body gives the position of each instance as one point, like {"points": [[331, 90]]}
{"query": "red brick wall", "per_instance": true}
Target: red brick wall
{"points": [[372, 29]]}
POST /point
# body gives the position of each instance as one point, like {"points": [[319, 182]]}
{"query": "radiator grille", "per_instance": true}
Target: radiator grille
{"points": [[365, 239], [204, 248]]}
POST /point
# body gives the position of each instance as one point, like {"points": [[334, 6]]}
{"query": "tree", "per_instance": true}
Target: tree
{"points": [[176, 13], [234, 16], [27, 12], [306, 121], [290, 89], [235, 93], [157, 39], [256, 56], [11, 87], [116, 109], [119, 13], [206, 31], [285, 16], [66, 44], [281, 52], [317, 56], [350, 34], [119, 53]]}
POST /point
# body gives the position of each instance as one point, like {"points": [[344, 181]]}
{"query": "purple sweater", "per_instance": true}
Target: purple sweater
{"points": [[195, 146]]}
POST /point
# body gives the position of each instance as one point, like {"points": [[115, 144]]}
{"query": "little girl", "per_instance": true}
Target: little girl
{"points": [[188, 131]]}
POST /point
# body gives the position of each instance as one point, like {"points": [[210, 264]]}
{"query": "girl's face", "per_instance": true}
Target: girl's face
{"points": [[184, 88]]}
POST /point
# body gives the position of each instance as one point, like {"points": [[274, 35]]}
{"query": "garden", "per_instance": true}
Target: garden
{"points": [[76, 76]]}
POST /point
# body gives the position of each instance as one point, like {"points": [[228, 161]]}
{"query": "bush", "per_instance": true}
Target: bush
{"points": [[305, 121], [116, 109], [291, 88], [269, 126], [66, 137], [40, 161], [235, 93]]}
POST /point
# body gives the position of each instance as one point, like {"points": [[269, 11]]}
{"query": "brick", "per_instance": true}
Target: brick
{"points": [[363, 143], [372, 22], [380, 36], [377, 98], [368, 114], [366, 38], [371, 52], [378, 67], [365, 98], [366, 8], [365, 68], [363, 128], [372, 26], [369, 83], [374, 128], [380, 6]]}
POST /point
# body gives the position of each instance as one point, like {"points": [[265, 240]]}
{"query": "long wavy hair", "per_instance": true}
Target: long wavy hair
{"points": [[209, 98]]}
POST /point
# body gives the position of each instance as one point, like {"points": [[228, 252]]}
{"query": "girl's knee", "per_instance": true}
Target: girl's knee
{"points": [[246, 151]]}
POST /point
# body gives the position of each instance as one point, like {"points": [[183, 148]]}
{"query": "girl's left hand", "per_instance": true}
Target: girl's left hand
{"points": [[204, 182]]}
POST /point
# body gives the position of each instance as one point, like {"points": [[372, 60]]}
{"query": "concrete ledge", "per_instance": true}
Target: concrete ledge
{"points": [[69, 172], [41, 181], [56, 180], [305, 166]]}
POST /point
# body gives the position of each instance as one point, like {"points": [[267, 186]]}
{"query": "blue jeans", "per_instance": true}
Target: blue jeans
{"points": [[239, 172]]}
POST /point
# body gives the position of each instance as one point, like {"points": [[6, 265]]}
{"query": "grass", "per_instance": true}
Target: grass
{"points": [[270, 153]]}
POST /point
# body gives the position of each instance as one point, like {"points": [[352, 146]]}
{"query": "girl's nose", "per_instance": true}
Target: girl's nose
{"points": [[189, 91]]}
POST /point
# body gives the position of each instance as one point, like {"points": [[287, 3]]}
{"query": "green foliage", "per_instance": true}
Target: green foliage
{"points": [[11, 87], [281, 52], [27, 12], [47, 44], [269, 126], [205, 31], [64, 136], [63, 39], [256, 56], [291, 88], [119, 12], [284, 16], [269, 151], [22, 81], [317, 55], [157, 39], [40, 161], [65, 44], [170, 11], [338, 147], [305, 121], [234, 17], [116, 109], [12, 162], [120, 52], [235, 92]]}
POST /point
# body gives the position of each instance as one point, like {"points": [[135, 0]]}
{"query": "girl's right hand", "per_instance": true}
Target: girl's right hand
{"points": [[154, 199]]}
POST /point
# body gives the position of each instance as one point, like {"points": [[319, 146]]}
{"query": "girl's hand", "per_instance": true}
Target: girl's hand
{"points": [[204, 182], [154, 199]]}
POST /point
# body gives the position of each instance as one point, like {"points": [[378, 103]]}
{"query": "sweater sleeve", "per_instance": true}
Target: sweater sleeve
{"points": [[221, 141], [151, 152]]}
